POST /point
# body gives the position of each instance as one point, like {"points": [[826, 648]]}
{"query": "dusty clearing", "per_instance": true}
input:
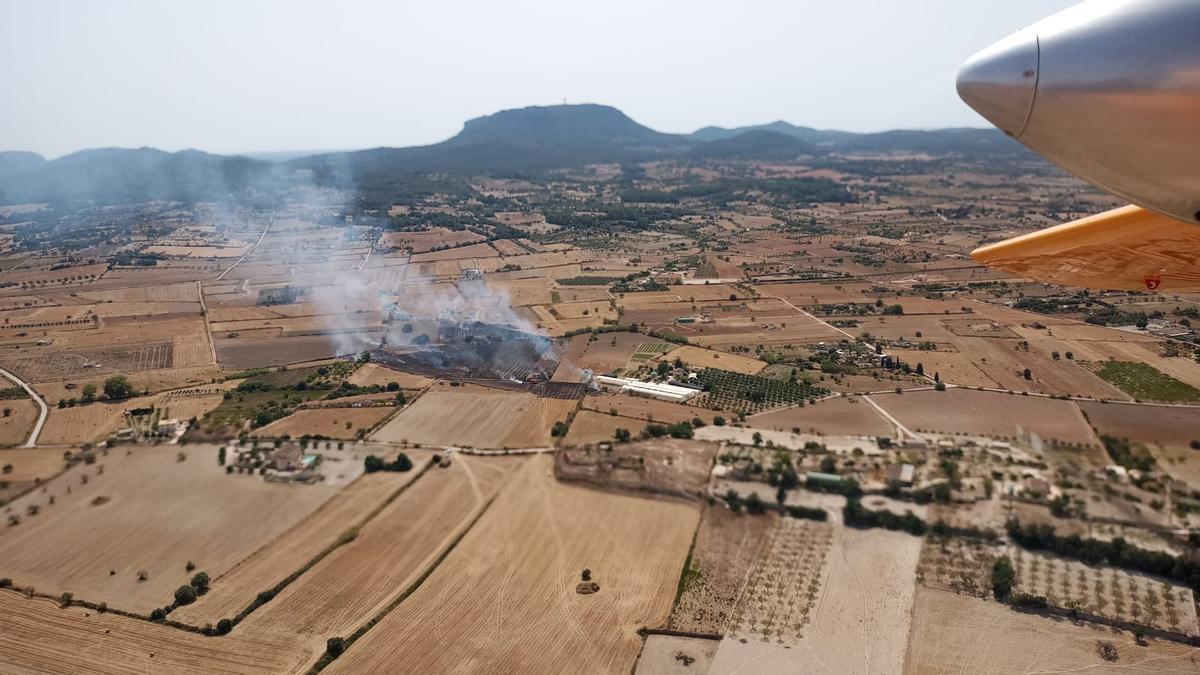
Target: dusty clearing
{"points": [[665, 466], [958, 634], [160, 513], [491, 419], [662, 655], [508, 590]]}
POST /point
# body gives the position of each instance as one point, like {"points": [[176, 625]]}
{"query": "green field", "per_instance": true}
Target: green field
{"points": [[1146, 383], [648, 350]]}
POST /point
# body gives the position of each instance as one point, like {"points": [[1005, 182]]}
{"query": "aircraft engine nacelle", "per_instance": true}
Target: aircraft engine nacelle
{"points": [[1110, 91]]}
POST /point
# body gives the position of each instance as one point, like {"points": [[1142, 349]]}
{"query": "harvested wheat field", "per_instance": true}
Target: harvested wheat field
{"points": [[841, 416], [29, 464], [507, 593], [16, 424], [962, 411], [337, 423], [641, 410], [83, 424], [141, 510], [233, 590], [958, 634], [373, 373], [38, 638], [695, 357], [477, 418], [590, 426], [358, 580], [859, 621]]}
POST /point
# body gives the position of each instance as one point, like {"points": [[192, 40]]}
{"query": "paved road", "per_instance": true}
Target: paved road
{"points": [[249, 250], [41, 422]]}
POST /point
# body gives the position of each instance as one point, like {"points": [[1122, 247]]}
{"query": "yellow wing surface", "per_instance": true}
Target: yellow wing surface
{"points": [[1128, 248]]}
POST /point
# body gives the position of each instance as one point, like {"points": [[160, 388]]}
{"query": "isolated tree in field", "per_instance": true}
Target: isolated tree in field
{"points": [[8, 412], [1003, 577], [89, 393], [587, 574], [200, 582], [1027, 374], [921, 369], [334, 646], [185, 595], [757, 438], [718, 421], [622, 436], [117, 387]]}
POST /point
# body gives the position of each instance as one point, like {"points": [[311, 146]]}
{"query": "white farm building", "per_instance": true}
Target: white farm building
{"points": [[665, 392]]}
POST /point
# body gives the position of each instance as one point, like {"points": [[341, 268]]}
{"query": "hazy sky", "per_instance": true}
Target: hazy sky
{"points": [[331, 74]]}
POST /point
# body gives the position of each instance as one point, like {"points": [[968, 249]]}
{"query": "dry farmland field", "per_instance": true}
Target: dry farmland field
{"points": [[954, 633], [38, 637], [695, 357], [727, 547], [351, 507], [343, 423], [777, 603], [962, 411], [358, 580], [17, 421], [508, 591], [839, 416], [143, 510], [477, 418], [1107, 592], [859, 620]]}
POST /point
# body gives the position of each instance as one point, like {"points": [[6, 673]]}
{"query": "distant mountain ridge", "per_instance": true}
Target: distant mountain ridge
{"points": [[521, 140]]}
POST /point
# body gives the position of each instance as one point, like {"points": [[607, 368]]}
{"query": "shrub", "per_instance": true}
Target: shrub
{"points": [[1003, 576], [185, 595], [200, 582], [334, 646]]}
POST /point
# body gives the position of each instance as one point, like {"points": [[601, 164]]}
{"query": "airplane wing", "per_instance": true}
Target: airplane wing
{"points": [[1129, 249]]}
